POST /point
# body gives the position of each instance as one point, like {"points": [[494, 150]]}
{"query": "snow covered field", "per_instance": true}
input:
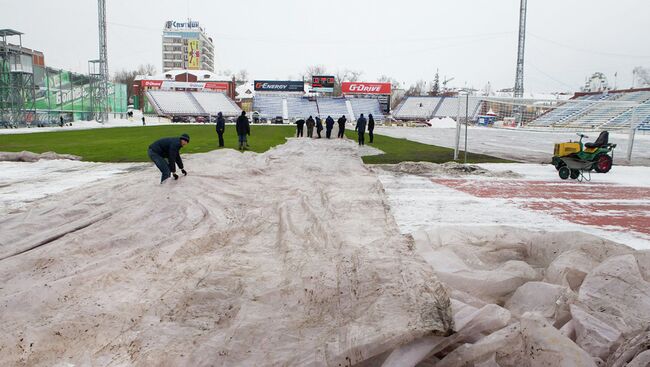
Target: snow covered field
{"points": [[279, 259], [520, 145], [419, 202]]}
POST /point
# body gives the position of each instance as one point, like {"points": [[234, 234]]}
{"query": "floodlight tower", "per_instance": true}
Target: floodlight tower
{"points": [[101, 113], [519, 78]]}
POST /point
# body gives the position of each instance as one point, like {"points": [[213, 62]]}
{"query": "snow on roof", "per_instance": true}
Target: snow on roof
{"points": [[245, 91], [201, 75]]}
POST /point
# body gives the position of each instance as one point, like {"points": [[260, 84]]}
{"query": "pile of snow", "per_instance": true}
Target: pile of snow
{"points": [[269, 259], [523, 298], [22, 183], [26, 156], [442, 123], [448, 169]]}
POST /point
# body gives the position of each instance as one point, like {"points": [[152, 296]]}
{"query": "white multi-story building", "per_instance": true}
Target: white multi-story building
{"points": [[185, 45]]}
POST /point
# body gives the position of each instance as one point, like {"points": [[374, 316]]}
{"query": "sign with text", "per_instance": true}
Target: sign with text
{"points": [[365, 88], [279, 86], [193, 55]]}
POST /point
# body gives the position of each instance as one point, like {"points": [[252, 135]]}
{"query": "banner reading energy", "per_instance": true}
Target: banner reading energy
{"points": [[193, 55]]}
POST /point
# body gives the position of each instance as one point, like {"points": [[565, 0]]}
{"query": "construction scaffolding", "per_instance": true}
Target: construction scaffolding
{"points": [[17, 87]]}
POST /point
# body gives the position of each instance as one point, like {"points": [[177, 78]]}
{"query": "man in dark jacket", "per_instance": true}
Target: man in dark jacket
{"points": [[299, 127], [341, 123], [329, 125], [243, 129], [221, 127], [361, 128], [168, 148], [310, 127], [319, 126], [371, 126]]}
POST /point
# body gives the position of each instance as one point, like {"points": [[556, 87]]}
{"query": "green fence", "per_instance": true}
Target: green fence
{"points": [[61, 93]]}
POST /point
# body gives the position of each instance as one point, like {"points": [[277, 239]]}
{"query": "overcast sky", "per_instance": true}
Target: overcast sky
{"points": [[475, 42]]}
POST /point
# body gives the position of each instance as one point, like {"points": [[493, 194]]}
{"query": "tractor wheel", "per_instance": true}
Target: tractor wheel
{"points": [[564, 172], [574, 174], [559, 164], [603, 163]]}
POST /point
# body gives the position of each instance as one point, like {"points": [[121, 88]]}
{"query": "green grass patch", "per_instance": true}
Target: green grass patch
{"points": [[129, 144], [402, 150]]}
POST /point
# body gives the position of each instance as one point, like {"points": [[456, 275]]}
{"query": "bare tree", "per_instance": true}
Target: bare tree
{"points": [[314, 70], [128, 76], [417, 89], [386, 79], [346, 75], [641, 76], [241, 77], [396, 97]]}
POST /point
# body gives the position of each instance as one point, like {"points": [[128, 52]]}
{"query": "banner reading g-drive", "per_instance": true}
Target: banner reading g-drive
{"points": [[279, 86], [193, 55]]}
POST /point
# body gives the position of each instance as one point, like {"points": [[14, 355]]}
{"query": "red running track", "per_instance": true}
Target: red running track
{"points": [[625, 208]]}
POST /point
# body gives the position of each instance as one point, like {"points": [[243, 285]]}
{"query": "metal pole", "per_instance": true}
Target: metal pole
{"points": [[457, 128], [466, 120], [630, 139]]}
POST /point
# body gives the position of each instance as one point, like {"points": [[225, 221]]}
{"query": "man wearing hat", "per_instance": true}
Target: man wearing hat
{"points": [[168, 148]]}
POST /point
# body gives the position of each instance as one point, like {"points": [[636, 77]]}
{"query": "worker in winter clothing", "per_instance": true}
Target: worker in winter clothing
{"points": [[299, 127], [361, 128], [341, 123], [310, 127], [371, 126], [221, 127], [243, 128], [319, 126], [168, 148], [329, 125]]}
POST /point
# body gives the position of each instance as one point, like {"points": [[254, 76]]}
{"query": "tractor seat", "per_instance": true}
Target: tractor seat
{"points": [[602, 140]]}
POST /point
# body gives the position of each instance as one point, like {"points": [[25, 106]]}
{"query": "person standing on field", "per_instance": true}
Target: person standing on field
{"points": [[165, 154], [319, 126], [310, 127], [341, 123], [221, 127], [329, 125], [371, 126], [361, 128], [243, 128], [300, 123]]}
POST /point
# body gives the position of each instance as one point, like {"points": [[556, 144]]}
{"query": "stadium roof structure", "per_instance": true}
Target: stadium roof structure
{"points": [[10, 32], [201, 75]]}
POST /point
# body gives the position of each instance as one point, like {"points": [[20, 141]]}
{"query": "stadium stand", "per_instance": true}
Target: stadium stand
{"points": [[174, 103], [611, 110], [366, 106], [425, 108], [268, 106], [299, 107], [331, 106], [167, 103], [420, 108], [214, 102], [302, 107]]}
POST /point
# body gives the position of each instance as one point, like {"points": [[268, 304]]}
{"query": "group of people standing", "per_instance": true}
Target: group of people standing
{"points": [[243, 127], [360, 128]]}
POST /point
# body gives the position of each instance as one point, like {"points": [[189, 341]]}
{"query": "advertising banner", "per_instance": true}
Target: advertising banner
{"points": [[221, 86], [322, 83], [279, 86], [193, 55], [365, 88], [170, 84]]}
